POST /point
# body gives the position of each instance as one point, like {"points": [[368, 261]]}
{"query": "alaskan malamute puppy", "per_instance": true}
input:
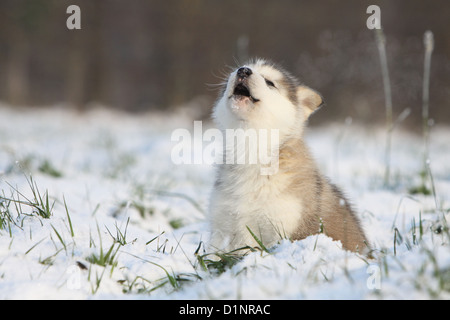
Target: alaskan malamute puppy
{"points": [[291, 201]]}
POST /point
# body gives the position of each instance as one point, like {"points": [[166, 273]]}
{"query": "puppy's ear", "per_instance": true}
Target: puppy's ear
{"points": [[309, 99]]}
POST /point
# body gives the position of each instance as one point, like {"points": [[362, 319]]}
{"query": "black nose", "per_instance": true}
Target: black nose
{"points": [[244, 72]]}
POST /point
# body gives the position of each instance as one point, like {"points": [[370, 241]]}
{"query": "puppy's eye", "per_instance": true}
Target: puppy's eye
{"points": [[270, 83]]}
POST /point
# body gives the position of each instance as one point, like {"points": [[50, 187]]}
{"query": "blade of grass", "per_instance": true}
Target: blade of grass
{"points": [[34, 246], [261, 245], [59, 237], [68, 218]]}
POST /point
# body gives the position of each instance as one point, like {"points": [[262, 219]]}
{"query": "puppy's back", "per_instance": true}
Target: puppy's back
{"points": [[325, 208]]}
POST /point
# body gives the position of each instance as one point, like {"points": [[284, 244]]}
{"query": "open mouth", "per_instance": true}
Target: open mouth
{"points": [[241, 90]]}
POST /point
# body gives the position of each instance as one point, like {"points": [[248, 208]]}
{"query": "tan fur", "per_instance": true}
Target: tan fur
{"points": [[324, 206]]}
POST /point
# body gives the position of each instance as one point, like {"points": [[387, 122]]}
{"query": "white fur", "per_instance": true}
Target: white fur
{"points": [[245, 198], [275, 111], [255, 202]]}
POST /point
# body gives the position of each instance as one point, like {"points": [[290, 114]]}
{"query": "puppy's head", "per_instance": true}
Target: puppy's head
{"points": [[261, 95]]}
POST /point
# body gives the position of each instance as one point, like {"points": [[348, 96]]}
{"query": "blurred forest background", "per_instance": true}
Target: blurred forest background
{"points": [[142, 55]]}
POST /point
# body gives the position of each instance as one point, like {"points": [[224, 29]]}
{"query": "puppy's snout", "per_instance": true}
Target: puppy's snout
{"points": [[244, 72]]}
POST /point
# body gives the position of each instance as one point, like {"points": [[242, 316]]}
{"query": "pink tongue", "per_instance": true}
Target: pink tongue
{"points": [[240, 102], [241, 98]]}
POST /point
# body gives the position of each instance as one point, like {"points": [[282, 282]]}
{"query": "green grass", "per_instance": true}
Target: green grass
{"points": [[262, 247], [48, 168], [5, 215], [104, 257], [39, 204], [72, 233], [121, 236]]}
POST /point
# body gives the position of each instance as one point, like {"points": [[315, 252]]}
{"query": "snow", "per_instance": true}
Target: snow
{"points": [[119, 183]]}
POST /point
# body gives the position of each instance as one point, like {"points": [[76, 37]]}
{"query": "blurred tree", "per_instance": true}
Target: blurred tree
{"points": [[84, 65], [151, 54]]}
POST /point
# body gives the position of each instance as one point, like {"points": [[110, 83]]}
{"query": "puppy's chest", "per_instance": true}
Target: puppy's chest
{"points": [[253, 197]]}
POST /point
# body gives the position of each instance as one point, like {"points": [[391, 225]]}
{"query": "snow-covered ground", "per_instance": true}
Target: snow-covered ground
{"points": [[126, 222]]}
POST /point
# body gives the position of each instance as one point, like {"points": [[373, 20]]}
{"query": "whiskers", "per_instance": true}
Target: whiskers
{"points": [[223, 76]]}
